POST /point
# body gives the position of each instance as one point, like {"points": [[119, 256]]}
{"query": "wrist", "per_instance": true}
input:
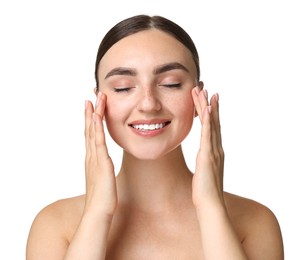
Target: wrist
{"points": [[96, 215], [97, 207], [209, 201], [210, 207]]}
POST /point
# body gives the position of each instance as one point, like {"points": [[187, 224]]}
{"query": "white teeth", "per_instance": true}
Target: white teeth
{"points": [[147, 127]]}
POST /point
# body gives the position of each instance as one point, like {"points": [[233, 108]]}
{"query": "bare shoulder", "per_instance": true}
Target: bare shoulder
{"points": [[53, 228], [61, 213], [239, 207], [257, 227]]}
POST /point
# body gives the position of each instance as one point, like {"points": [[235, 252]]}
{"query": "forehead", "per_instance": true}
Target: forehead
{"points": [[146, 49]]}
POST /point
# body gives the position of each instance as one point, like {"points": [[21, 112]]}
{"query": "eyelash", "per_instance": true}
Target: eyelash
{"points": [[174, 85], [118, 90]]}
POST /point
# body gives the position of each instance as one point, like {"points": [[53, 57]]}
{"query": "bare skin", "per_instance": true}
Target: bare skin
{"points": [[172, 234], [155, 208]]}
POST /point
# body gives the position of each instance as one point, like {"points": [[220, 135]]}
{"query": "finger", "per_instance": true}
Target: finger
{"points": [[206, 134], [99, 106], [210, 150], [92, 138], [195, 94], [217, 137], [88, 120], [100, 142], [214, 102], [200, 99], [203, 96]]}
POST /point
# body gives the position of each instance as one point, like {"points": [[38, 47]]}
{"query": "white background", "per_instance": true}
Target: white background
{"points": [[252, 52]]}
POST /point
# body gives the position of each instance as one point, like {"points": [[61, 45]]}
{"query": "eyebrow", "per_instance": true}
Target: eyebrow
{"points": [[122, 71], [170, 66]]}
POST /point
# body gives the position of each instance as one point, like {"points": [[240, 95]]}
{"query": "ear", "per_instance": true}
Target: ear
{"points": [[95, 91], [201, 85]]}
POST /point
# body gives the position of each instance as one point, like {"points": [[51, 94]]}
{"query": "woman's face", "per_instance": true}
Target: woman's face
{"points": [[147, 78]]}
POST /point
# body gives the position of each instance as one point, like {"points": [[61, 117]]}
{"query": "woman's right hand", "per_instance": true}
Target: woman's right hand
{"points": [[101, 194]]}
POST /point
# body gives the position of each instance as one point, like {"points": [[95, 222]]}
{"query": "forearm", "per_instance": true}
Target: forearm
{"points": [[219, 240], [90, 239]]}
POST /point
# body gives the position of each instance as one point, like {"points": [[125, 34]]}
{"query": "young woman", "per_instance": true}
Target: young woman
{"points": [[149, 92]]}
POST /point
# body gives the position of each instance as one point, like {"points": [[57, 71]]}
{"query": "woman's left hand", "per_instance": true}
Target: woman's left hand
{"points": [[216, 227], [207, 186]]}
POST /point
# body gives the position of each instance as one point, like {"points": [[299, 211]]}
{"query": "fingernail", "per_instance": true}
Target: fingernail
{"points": [[85, 104], [217, 97]]}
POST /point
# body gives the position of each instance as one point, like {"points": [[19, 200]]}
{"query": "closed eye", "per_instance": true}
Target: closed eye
{"points": [[117, 90], [172, 85]]}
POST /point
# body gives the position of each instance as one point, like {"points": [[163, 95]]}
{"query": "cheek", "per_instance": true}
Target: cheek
{"points": [[113, 114], [116, 113], [115, 107], [186, 113], [184, 106], [111, 110]]}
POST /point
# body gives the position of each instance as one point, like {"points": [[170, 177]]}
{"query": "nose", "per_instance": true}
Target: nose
{"points": [[149, 101]]}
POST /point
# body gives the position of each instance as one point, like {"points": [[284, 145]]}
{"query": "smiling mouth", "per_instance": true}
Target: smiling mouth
{"points": [[149, 127]]}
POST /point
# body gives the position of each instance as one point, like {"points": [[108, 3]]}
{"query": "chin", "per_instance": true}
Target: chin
{"points": [[145, 156]]}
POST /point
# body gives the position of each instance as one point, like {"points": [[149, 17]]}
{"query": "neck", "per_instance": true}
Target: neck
{"points": [[154, 185]]}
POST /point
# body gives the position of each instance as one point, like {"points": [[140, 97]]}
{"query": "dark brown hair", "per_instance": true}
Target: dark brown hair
{"points": [[139, 23]]}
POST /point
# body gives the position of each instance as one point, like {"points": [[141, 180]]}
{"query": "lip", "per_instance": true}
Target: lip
{"points": [[149, 133]]}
